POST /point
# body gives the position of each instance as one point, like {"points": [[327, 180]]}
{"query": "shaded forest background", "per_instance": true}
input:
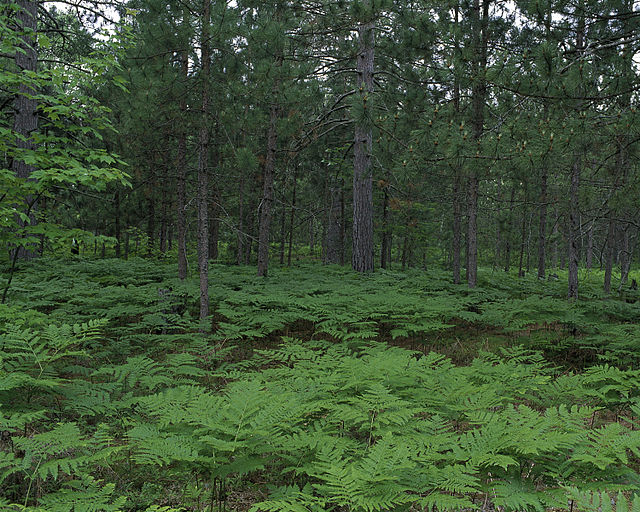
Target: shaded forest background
{"points": [[385, 133]]}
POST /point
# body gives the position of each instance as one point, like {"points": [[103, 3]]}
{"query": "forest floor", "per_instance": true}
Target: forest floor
{"points": [[314, 389]]}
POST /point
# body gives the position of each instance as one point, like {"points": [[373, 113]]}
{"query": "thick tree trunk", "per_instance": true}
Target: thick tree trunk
{"points": [[25, 121], [362, 256], [267, 193], [203, 170], [181, 168], [574, 230]]}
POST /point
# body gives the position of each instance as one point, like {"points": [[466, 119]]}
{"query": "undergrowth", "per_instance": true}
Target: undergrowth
{"points": [[298, 401]]}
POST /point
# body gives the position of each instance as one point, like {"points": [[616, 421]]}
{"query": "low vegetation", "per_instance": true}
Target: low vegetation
{"points": [[317, 389]]}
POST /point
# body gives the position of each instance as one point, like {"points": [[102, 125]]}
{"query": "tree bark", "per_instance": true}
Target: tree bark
{"points": [[542, 224], [334, 229], [608, 269], [25, 121], [523, 233], [362, 255], [267, 192], [386, 231], [478, 98], [292, 215], [574, 230], [203, 170], [181, 165], [589, 256], [507, 251], [116, 207], [457, 226]]}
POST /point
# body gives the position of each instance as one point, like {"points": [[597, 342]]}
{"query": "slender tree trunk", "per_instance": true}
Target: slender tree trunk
{"points": [[498, 244], [507, 252], [283, 231], [214, 225], [405, 251], [267, 194], [118, 234], [362, 256], [456, 248], [181, 167], [457, 226], [203, 170], [292, 215], [608, 270], [240, 233], [334, 229], [151, 219], [523, 233], [625, 259], [386, 231], [555, 235], [574, 230], [164, 214], [542, 224], [589, 257]]}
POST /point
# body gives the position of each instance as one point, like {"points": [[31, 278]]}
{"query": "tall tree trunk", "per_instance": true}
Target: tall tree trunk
{"points": [[480, 37], [362, 256], [25, 121], [203, 170], [181, 167], [267, 193], [574, 230], [574, 213], [457, 179], [542, 222]]}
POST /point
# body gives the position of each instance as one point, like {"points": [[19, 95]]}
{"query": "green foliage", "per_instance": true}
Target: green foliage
{"points": [[296, 399]]}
